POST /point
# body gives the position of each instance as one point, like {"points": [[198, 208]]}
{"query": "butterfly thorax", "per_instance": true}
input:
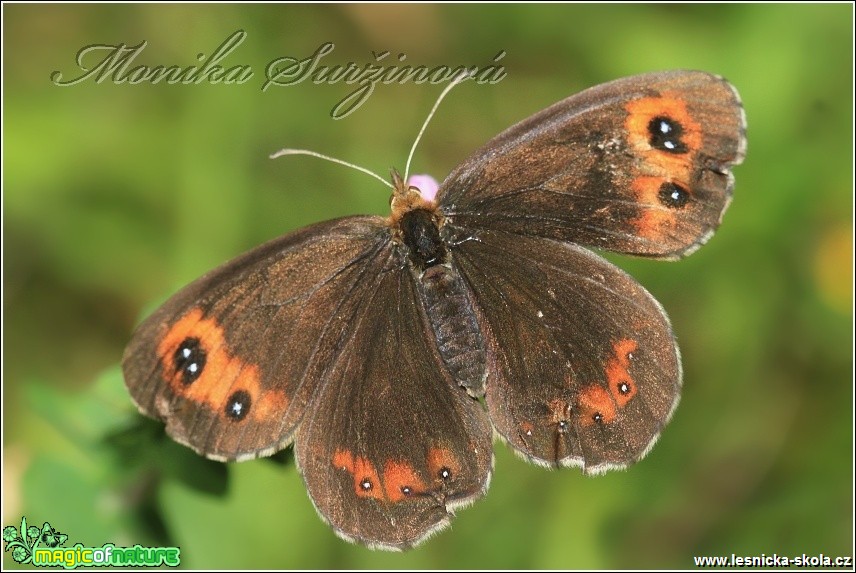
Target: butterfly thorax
{"points": [[420, 233], [415, 223]]}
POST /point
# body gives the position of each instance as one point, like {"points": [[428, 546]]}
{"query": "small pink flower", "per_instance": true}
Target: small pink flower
{"points": [[426, 184]]}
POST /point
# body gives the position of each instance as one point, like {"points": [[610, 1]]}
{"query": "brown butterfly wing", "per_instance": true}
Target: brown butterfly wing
{"points": [[390, 444], [640, 165], [230, 362], [583, 367], [320, 337]]}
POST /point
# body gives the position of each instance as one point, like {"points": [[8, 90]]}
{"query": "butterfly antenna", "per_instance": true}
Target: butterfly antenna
{"points": [[282, 152], [464, 75]]}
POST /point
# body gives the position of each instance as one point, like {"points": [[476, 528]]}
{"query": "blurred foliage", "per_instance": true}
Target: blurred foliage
{"points": [[116, 195]]}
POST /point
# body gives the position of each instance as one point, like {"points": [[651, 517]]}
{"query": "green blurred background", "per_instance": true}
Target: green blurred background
{"points": [[117, 195]]}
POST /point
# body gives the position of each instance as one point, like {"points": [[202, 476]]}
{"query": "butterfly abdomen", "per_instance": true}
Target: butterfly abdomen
{"points": [[445, 296], [454, 324]]}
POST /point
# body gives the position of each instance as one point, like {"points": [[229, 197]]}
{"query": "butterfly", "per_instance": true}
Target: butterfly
{"points": [[390, 350]]}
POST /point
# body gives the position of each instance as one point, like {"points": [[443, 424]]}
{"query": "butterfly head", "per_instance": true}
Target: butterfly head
{"points": [[417, 192]]}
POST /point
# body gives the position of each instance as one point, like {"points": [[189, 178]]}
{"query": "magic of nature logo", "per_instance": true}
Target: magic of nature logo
{"points": [[46, 547]]}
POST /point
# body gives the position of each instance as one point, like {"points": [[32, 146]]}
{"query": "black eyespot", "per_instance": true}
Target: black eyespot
{"points": [[444, 473], [597, 417], [406, 490], [673, 195], [366, 484], [189, 359], [623, 388], [238, 405], [665, 135]]}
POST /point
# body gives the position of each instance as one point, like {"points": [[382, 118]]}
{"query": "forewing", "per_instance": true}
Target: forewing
{"points": [[230, 362], [583, 369], [641, 165]]}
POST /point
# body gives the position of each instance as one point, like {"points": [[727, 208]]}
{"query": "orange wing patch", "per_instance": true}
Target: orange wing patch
{"points": [[366, 479], [665, 135], [344, 460], [273, 403], [442, 463], [599, 405], [197, 364], [641, 112], [401, 480], [621, 384], [398, 481], [655, 222], [595, 405]]}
